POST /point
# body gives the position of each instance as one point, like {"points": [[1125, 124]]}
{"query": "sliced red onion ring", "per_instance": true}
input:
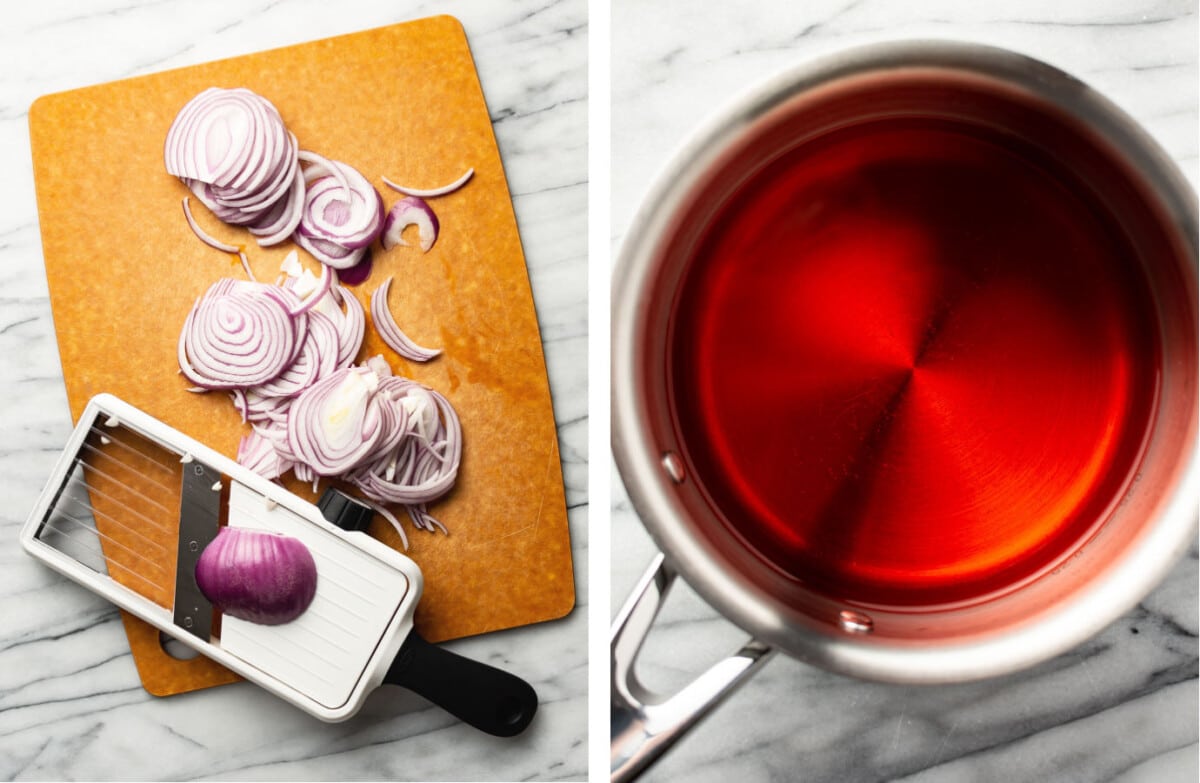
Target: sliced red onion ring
{"points": [[399, 442], [430, 192], [390, 333], [232, 150], [278, 223], [424, 465], [345, 211], [335, 423], [330, 253], [212, 241], [320, 166], [423, 520], [259, 409], [352, 328], [316, 359], [228, 139], [313, 292], [383, 511], [410, 211], [258, 453], [239, 334], [201, 234]]}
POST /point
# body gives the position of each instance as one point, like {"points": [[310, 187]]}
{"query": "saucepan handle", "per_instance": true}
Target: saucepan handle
{"points": [[644, 724], [483, 696]]}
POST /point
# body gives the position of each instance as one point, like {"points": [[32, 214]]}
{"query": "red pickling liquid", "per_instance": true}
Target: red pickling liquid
{"points": [[913, 363]]}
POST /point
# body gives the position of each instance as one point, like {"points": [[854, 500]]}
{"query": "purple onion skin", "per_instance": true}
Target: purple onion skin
{"points": [[255, 576], [358, 273]]}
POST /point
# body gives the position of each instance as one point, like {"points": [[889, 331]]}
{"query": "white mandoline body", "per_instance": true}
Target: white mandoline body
{"points": [[326, 661]]}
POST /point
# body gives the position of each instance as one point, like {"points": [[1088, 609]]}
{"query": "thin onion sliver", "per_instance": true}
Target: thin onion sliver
{"points": [[430, 192], [212, 241], [390, 332]]}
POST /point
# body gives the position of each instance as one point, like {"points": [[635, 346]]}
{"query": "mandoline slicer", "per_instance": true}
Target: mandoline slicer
{"points": [[132, 503]]}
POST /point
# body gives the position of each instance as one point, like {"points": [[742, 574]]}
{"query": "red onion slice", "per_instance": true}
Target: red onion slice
{"points": [[358, 273], [321, 166], [423, 520], [330, 253], [201, 234], [215, 137], [313, 292], [389, 331], [316, 359], [259, 409], [232, 150], [258, 453], [353, 329], [351, 221], [424, 465], [239, 335], [410, 211], [278, 223], [334, 423], [430, 192], [212, 241]]}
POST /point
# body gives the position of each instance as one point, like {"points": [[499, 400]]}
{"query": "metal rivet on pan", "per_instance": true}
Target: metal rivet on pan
{"points": [[855, 622], [198, 470], [194, 546], [187, 622], [674, 467]]}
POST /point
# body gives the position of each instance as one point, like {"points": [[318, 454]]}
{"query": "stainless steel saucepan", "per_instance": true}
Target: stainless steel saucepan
{"points": [[1138, 541]]}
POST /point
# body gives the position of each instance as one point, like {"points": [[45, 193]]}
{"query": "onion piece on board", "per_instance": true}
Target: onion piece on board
{"points": [[335, 423], [340, 208], [390, 332], [430, 192], [240, 334], [410, 211], [212, 241], [233, 151]]}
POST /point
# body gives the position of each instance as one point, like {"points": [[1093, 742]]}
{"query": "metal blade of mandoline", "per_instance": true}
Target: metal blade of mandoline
{"points": [[131, 509], [199, 518]]}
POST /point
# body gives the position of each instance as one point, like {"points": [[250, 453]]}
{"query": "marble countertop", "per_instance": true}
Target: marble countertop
{"points": [[71, 704], [1122, 706]]}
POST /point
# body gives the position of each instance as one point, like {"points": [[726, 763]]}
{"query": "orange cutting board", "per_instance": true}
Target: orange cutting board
{"points": [[124, 269]]}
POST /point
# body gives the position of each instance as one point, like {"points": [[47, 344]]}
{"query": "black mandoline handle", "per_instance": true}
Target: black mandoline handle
{"points": [[489, 699]]}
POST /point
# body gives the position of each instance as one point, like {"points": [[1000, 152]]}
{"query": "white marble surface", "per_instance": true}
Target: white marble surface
{"points": [[71, 705], [1123, 706]]}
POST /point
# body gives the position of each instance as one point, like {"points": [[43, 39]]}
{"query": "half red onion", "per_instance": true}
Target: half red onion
{"points": [[257, 576]]}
